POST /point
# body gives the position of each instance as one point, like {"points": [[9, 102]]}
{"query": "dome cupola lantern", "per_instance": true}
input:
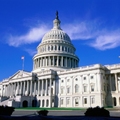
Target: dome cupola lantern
{"points": [[56, 22]]}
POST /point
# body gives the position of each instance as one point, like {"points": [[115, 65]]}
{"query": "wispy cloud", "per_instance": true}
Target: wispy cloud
{"points": [[107, 41], [31, 51], [95, 36], [99, 38], [34, 35]]}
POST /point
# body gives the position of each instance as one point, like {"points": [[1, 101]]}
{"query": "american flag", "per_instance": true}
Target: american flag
{"points": [[22, 57]]}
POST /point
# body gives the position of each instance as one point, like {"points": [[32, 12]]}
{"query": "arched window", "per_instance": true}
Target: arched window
{"points": [[76, 88]]}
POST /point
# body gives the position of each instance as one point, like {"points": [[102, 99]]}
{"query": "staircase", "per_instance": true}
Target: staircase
{"points": [[4, 103]]}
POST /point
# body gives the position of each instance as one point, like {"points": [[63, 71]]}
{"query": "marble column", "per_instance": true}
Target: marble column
{"points": [[46, 88], [61, 61], [110, 83], [50, 86], [53, 60], [57, 60], [31, 85], [23, 88], [38, 87], [34, 87], [116, 82], [42, 88], [27, 87]]}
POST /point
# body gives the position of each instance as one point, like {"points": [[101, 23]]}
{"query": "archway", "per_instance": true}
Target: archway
{"points": [[34, 103], [25, 103], [114, 101], [47, 103]]}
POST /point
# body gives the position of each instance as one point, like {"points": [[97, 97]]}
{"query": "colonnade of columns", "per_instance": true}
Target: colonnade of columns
{"points": [[55, 61], [116, 82], [41, 87]]}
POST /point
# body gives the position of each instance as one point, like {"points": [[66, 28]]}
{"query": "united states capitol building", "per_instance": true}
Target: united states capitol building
{"points": [[57, 81]]}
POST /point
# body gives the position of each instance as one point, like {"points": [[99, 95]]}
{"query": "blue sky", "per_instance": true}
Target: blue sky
{"points": [[93, 25]]}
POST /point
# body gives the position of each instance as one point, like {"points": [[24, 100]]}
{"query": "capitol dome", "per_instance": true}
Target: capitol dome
{"points": [[55, 51]]}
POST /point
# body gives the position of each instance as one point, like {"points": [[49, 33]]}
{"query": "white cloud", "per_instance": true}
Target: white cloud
{"points": [[78, 31], [31, 52], [34, 35], [107, 41], [97, 37]]}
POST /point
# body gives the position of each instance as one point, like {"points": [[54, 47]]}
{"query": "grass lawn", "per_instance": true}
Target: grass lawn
{"points": [[37, 108]]}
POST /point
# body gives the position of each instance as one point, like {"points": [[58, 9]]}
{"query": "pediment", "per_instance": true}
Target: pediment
{"points": [[20, 74]]}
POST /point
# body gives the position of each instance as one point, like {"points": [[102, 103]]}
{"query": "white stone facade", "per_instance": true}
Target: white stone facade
{"points": [[57, 81]]}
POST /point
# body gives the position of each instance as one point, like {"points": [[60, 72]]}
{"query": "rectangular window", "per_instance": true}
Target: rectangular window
{"points": [[61, 101], [68, 101], [85, 88], [76, 101], [68, 90], [84, 78], [92, 100], [92, 88], [85, 100]]}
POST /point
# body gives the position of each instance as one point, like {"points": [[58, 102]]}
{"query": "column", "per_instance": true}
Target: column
{"points": [[70, 62], [28, 87], [40, 62], [23, 88], [57, 60], [53, 60], [46, 60], [42, 88], [46, 88], [61, 61], [18, 88], [54, 87], [38, 87], [50, 87], [110, 82], [34, 87], [66, 62], [116, 82], [31, 88], [49, 61]]}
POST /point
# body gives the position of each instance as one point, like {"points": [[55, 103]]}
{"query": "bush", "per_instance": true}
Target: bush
{"points": [[43, 112], [97, 111], [5, 110]]}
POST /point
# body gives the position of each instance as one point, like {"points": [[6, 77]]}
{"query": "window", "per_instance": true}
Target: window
{"points": [[92, 100], [84, 78], [61, 101], [68, 101], [76, 101], [85, 100], [85, 88], [62, 81], [91, 77], [76, 88], [92, 88], [68, 80], [68, 90]]}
